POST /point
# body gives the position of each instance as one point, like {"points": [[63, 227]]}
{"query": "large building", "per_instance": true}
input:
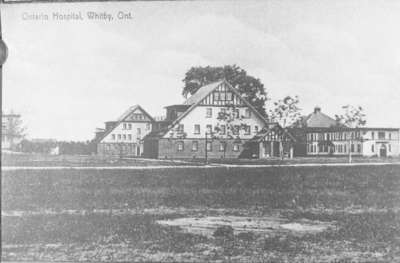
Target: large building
{"points": [[125, 135], [321, 135], [215, 122]]}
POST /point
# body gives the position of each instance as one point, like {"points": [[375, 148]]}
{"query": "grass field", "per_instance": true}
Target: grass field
{"points": [[105, 215]]}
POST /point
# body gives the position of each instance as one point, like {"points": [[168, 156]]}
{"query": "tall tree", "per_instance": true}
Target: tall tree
{"points": [[353, 117], [286, 111], [14, 129], [249, 87]]}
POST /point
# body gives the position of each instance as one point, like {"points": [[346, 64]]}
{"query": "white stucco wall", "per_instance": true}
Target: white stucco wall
{"points": [[198, 116], [133, 132]]}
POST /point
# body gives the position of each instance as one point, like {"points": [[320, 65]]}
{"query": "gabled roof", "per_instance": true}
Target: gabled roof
{"points": [[123, 117], [203, 92], [132, 109], [317, 119], [272, 126], [206, 90]]}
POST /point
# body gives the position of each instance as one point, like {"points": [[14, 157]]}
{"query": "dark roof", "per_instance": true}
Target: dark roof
{"points": [[202, 92]]}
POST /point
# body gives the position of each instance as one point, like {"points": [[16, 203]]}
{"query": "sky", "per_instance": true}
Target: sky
{"points": [[67, 78]]}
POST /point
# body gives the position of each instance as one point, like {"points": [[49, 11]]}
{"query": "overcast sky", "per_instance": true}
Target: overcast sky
{"points": [[67, 78]]}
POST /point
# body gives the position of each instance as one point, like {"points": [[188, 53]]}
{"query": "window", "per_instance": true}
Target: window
{"points": [[148, 126], [139, 131], [390, 136], [124, 126], [179, 146], [228, 96], [208, 112], [113, 136], [209, 128], [372, 148], [180, 128], [222, 146], [223, 130], [381, 135], [359, 148], [209, 147], [124, 136], [119, 136], [247, 113], [222, 96], [138, 116], [216, 95], [352, 147], [235, 130], [256, 129], [195, 146], [390, 147], [197, 129], [373, 135], [236, 147], [129, 126], [130, 137], [222, 113], [237, 114], [345, 148], [247, 130]]}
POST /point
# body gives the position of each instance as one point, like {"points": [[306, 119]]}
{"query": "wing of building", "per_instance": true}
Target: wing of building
{"points": [[124, 136], [320, 135]]}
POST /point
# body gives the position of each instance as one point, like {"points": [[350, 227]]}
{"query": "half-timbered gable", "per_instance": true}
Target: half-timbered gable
{"points": [[223, 95]]}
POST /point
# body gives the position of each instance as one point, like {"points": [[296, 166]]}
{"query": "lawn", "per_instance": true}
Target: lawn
{"points": [[126, 215]]}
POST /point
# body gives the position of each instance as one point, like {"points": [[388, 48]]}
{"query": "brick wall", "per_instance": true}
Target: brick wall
{"points": [[168, 148]]}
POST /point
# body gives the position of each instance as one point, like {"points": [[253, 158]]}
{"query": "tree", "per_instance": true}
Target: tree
{"points": [[13, 130], [353, 117], [249, 87], [229, 125], [286, 111]]}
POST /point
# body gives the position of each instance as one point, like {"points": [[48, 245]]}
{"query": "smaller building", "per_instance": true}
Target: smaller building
{"points": [[320, 135], [124, 136]]}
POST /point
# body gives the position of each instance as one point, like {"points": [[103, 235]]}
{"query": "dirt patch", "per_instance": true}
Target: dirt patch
{"points": [[259, 225]]}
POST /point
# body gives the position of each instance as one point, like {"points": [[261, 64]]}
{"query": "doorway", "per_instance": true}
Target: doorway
{"points": [[383, 151]]}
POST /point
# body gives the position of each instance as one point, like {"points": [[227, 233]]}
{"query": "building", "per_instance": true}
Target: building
{"points": [[323, 136], [11, 132], [125, 135], [215, 122]]}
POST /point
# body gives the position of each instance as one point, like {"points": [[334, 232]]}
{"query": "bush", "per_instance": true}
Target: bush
{"points": [[225, 232]]}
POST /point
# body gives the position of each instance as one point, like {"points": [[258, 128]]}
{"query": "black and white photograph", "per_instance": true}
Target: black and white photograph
{"points": [[200, 131]]}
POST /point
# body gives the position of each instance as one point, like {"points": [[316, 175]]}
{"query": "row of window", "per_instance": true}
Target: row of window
{"points": [[220, 129], [222, 113], [333, 136], [381, 135], [224, 96], [124, 136], [180, 146], [128, 126], [338, 148], [338, 136]]}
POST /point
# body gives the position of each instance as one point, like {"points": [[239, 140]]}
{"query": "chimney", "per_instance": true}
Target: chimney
{"points": [[317, 109]]}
